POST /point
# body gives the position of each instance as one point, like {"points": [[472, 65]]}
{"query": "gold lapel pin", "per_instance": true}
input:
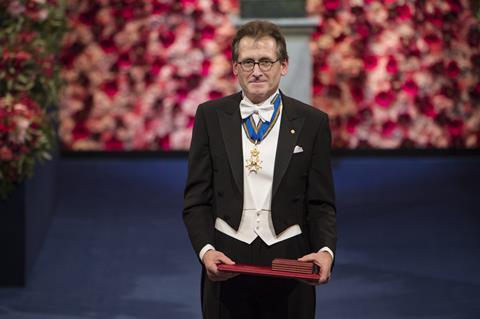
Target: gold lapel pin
{"points": [[292, 131]]}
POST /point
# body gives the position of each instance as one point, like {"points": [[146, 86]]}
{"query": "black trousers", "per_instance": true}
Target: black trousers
{"points": [[252, 297]]}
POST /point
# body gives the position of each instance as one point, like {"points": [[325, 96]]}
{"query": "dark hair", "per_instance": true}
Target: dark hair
{"points": [[258, 29]]}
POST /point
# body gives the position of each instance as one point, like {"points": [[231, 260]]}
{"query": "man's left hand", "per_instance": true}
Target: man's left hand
{"points": [[324, 261]]}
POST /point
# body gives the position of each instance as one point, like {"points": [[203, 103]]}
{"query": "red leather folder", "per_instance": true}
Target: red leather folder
{"points": [[266, 271]]}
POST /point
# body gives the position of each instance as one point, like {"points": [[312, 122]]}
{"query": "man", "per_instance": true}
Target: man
{"points": [[259, 186]]}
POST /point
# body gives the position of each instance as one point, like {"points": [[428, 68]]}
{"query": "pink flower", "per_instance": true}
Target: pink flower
{"points": [[392, 65], [15, 8], [385, 98]]}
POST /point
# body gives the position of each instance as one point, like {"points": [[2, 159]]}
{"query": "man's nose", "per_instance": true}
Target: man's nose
{"points": [[256, 70]]}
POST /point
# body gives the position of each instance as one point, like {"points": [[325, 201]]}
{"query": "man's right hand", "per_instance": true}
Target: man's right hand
{"points": [[211, 259]]}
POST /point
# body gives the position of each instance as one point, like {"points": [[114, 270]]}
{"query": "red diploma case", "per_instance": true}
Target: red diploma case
{"points": [[285, 268]]}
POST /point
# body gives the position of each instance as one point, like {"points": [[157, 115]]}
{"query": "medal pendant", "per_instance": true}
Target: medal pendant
{"points": [[254, 162]]}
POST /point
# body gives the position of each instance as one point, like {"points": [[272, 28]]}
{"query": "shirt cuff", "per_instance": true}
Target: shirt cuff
{"points": [[205, 248], [328, 250]]}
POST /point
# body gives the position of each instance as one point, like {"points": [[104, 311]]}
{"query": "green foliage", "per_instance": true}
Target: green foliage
{"points": [[30, 40]]}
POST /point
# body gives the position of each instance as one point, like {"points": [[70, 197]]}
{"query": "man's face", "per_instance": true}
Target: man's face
{"points": [[256, 84]]}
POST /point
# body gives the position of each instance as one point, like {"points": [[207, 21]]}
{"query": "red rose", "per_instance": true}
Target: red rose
{"points": [[80, 131], [370, 62], [332, 4], [410, 87], [453, 70], [214, 94], [475, 60], [455, 127], [425, 106], [403, 12], [363, 30], [357, 93], [110, 88], [404, 119], [157, 65], [167, 38], [205, 67], [159, 7], [124, 60], [317, 86], [392, 65], [6, 154], [208, 32], [387, 128], [473, 37], [127, 13], [436, 18], [351, 124], [113, 144], [108, 45], [455, 6], [433, 42], [385, 98]]}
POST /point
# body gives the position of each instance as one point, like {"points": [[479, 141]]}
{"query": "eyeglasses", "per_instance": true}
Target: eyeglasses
{"points": [[264, 65]]}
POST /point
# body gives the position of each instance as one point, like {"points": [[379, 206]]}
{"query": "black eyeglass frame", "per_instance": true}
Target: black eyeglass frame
{"points": [[263, 69]]}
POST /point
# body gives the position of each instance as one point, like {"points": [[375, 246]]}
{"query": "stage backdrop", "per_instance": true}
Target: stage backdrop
{"points": [[391, 74]]}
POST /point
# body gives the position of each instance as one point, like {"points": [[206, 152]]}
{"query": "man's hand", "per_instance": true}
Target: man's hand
{"points": [[211, 259], [324, 261]]}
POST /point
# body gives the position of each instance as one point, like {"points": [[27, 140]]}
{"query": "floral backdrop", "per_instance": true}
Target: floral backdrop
{"points": [[391, 74], [137, 70], [398, 74]]}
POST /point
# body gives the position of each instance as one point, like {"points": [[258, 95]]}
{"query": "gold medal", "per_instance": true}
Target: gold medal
{"points": [[254, 162]]}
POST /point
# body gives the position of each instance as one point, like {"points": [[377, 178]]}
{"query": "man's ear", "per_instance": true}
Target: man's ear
{"points": [[284, 66], [235, 68]]}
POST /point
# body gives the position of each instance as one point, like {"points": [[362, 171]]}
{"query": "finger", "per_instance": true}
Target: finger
{"points": [[308, 257], [225, 260]]}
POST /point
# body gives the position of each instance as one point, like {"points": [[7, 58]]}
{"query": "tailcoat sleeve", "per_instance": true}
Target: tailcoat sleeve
{"points": [[198, 196], [321, 216]]}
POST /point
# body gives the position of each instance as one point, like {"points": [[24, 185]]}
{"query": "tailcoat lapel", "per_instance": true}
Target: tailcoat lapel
{"points": [[231, 127], [290, 128]]}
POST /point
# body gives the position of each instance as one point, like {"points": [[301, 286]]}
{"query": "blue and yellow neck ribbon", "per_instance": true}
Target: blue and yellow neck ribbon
{"points": [[257, 132]]}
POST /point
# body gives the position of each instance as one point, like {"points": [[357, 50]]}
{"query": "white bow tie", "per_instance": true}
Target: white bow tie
{"points": [[265, 110]]}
